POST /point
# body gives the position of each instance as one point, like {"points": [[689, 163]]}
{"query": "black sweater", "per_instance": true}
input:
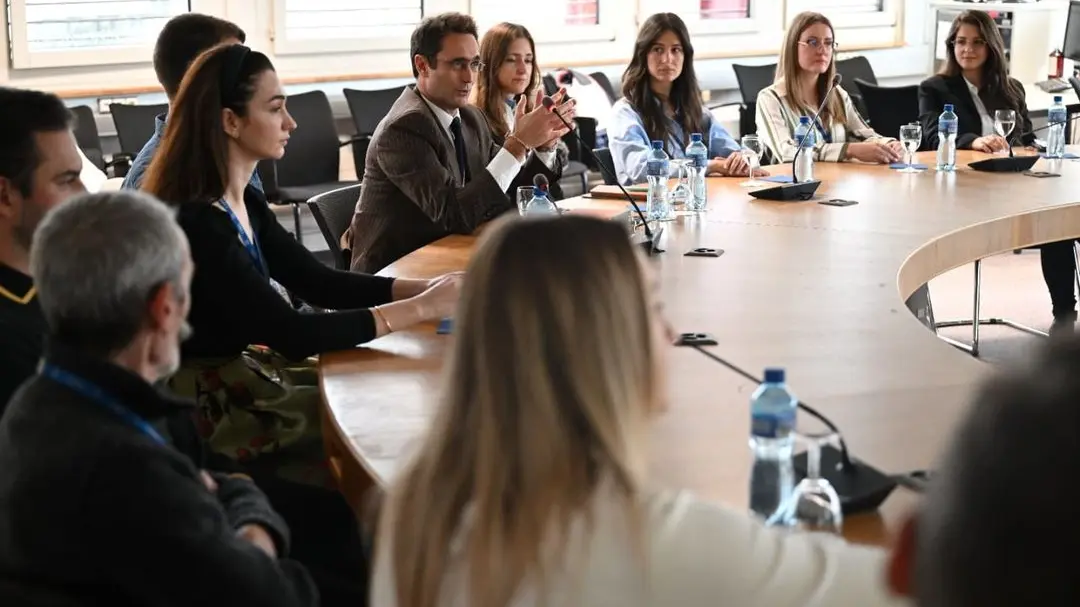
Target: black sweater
{"points": [[22, 331], [92, 507], [936, 91], [233, 304]]}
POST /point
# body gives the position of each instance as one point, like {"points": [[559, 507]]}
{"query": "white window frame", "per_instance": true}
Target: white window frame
{"points": [[22, 58], [888, 16], [395, 42], [604, 31]]}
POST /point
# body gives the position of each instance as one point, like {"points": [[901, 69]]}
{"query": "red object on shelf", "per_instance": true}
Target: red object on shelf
{"points": [[1057, 64]]}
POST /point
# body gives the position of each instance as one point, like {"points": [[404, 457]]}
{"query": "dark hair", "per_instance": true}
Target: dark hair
{"points": [[685, 93], [997, 88], [184, 38], [427, 38], [993, 526], [191, 164], [25, 113]]}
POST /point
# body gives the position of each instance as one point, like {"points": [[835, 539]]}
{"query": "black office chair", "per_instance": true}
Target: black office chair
{"points": [[89, 141], [333, 212], [605, 83], [857, 68], [752, 79], [368, 108], [604, 154], [550, 85], [312, 160], [889, 107], [135, 124]]}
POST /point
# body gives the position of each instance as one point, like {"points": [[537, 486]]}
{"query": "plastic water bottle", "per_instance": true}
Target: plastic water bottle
{"points": [[805, 139], [946, 147], [772, 478], [657, 169], [699, 156], [540, 204], [1055, 139]]}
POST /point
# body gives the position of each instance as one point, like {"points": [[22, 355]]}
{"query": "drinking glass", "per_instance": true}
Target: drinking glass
{"points": [[911, 137], [1004, 123], [680, 194], [524, 195], [751, 148], [814, 504]]}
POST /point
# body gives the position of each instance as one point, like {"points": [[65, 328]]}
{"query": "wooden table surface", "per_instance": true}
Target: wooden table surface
{"points": [[816, 289]]}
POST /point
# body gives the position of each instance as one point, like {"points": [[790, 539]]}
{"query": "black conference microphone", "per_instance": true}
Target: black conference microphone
{"points": [[540, 181], [1011, 163], [796, 190], [861, 487], [651, 244]]}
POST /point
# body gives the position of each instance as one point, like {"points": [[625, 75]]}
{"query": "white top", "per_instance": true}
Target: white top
{"points": [[503, 167], [92, 178], [984, 116], [697, 554]]}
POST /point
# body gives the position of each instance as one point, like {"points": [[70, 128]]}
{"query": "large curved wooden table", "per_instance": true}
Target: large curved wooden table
{"points": [[819, 290]]}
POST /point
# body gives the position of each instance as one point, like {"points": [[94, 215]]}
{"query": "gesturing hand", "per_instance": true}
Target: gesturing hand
{"points": [[536, 127]]}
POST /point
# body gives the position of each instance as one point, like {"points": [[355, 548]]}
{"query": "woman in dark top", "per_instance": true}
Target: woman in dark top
{"points": [[245, 364], [976, 81]]}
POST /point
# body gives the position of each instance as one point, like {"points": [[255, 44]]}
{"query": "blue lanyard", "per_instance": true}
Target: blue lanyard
{"points": [[826, 136], [252, 248], [99, 396]]}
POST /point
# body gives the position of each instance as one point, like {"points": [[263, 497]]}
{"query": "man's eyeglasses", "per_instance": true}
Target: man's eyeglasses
{"points": [[460, 65], [817, 45]]}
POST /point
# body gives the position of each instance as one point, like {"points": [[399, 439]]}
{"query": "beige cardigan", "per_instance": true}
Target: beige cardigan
{"points": [[697, 555], [777, 119]]}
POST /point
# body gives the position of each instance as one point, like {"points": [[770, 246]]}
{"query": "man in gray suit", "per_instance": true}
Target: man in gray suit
{"points": [[433, 168]]}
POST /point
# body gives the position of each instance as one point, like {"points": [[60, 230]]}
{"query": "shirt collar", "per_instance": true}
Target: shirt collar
{"points": [[971, 87], [16, 286], [159, 124], [444, 117]]}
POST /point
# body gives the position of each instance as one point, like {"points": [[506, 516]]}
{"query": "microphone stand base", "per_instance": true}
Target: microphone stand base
{"points": [[651, 246], [861, 489]]}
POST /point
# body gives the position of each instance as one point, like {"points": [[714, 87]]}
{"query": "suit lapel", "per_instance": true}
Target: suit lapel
{"points": [[958, 87], [446, 151]]}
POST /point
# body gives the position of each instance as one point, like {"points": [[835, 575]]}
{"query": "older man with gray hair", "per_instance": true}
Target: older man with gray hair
{"points": [[96, 502]]}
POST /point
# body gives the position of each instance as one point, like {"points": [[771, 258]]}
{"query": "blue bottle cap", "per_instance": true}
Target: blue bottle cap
{"points": [[948, 107], [538, 192], [1057, 98], [804, 120], [774, 375], [695, 137], [657, 144]]}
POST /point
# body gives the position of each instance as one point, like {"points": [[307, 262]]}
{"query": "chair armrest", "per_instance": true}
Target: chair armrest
{"points": [[714, 106], [353, 139]]}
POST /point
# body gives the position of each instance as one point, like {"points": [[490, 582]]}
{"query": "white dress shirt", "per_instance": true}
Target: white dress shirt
{"points": [[984, 116], [696, 554], [503, 167], [547, 157], [92, 178]]}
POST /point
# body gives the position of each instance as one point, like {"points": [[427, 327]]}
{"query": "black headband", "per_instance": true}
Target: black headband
{"points": [[230, 72]]}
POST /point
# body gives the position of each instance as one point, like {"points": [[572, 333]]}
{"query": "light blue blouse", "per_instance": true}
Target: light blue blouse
{"points": [[630, 145]]}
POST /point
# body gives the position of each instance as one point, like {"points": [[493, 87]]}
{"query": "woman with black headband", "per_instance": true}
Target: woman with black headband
{"points": [[248, 363]]}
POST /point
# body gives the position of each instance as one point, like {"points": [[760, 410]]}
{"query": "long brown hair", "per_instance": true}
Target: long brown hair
{"points": [[685, 93], [192, 162], [789, 71], [487, 95], [545, 399], [997, 87]]}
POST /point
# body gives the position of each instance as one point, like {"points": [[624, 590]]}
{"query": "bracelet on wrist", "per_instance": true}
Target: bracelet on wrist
{"points": [[514, 138], [381, 316]]}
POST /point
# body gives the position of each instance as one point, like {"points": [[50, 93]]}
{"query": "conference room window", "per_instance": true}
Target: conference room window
{"points": [[53, 33], [724, 9], [320, 26], [851, 13], [552, 21]]}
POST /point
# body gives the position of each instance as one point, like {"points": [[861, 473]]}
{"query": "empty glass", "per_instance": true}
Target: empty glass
{"points": [[752, 150], [680, 194], [814, 504], [911, 137], [524, 195], [1004, 123]]}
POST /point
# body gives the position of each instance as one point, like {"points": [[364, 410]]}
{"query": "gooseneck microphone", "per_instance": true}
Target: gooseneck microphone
{"points": [[813, 124], [540, 181], [861, 487], [652, 239]]}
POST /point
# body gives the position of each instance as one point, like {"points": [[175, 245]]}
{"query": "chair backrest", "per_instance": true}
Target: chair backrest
{"points": [[604, 154], [752, 79], [550, 86], [605, 83], [857, 67], [86, 135], [368, 108], [135, 124], [313, 154], [333, 212], [889, 107]]}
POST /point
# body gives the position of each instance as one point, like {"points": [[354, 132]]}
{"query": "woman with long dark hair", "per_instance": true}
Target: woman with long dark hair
{"points": [[975, 80], [248, 364], [530, 486], [803, 77], [508, 83], [662, 102]]}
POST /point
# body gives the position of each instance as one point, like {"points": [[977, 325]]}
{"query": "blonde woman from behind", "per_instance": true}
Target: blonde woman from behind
{"points": [[530, 489]]}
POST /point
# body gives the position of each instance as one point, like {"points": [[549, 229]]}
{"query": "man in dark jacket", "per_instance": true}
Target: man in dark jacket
{"points": [[96, 502]]}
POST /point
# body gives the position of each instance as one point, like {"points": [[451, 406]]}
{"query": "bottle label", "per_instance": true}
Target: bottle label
{"points": [[947, 126], [772, 425], [699, 161], [656, 168]]}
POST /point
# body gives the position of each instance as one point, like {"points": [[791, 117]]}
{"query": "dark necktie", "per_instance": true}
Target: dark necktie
{"points": [[459, 147]]}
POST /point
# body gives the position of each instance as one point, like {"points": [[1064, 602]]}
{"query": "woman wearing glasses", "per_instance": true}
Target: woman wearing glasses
{"points": [[662, 102], [806, 70]]}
